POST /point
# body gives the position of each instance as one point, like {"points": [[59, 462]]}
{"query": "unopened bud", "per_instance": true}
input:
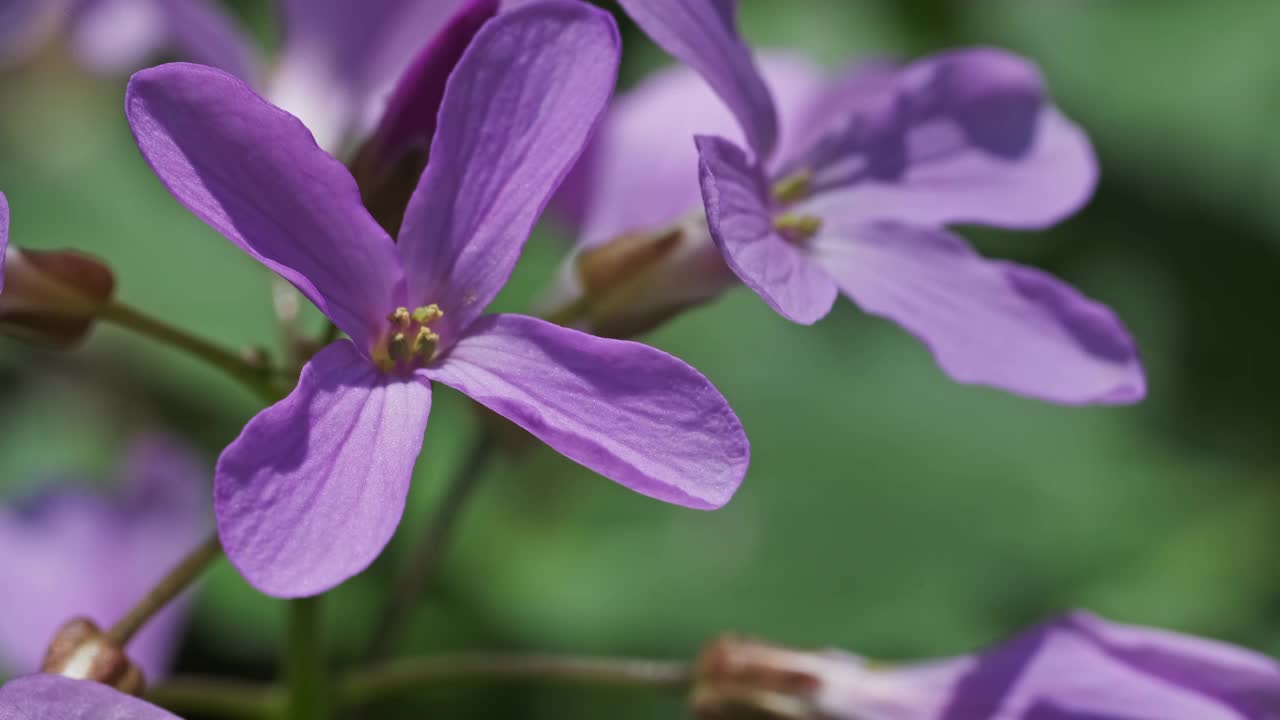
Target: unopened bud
{"points": [[82, 651], [638, 281], [388, 166], [52, 297], [737, 678]]}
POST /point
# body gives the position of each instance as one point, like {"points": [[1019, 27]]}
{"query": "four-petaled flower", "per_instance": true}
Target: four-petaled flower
{"points": [[315, 485], [848, 187]]}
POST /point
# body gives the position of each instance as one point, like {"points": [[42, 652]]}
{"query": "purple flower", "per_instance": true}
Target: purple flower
{"points": [[847, 188], [313, 488], [339, 62], [341, 59], [1076, 667], [53, 697], [120, 35], [80, 553]]}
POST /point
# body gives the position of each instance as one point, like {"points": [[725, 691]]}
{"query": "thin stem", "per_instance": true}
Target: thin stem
{"points": [[251, 701], [378, 681], [218, 697], [256, 378], [418, 572], [169, 587], [304, 662]]}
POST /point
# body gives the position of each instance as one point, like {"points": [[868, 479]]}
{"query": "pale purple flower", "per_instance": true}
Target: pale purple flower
{"points": [[848, 187], [53, 697], [312, 490], [1075, 667], [338, 64], [341, 60], [114, 36], [72, 552]]}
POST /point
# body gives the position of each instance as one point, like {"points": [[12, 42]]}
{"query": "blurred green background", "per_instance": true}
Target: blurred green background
{"points": [[888, 511]]}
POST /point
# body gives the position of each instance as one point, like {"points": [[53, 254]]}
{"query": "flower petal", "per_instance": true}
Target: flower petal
{"points": [[1080, 667], [253, 173], [962, 137], [517, 111], [4, 235], [632, 413], [640, 171], [987, 322], [410, 117], [703, 34], [81, 553], [341, 59], [122, 35], [314, 487], [389, 165], [53, 697], [742, 224]]}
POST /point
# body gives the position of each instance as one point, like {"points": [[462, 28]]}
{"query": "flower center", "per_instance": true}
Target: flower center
{"points": [[409, 342]]}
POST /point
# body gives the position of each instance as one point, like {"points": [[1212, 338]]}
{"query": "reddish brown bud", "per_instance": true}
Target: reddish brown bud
{"points": [[638, 281], [52, 297], [82, 651], [741, 679]]}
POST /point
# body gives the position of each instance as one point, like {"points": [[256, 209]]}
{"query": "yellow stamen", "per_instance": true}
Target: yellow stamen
{"points": [[425, 343], [399, 317], [398, 347], [793, 187], [424, 315], [797, 227]]}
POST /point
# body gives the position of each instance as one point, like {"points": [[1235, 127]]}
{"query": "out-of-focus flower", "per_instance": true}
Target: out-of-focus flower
{"points": [[848, 190], [70, 552], [341, 60], [390, 162], [49, 297], [314, 487], [1076, 667], [338, 65], [53, 697], [114, 36]]}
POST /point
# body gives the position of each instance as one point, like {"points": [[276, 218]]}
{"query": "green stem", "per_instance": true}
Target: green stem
{"points": [[215, 697], [256, 378], [251, 701], [169, 587], [424, 558], [379, 681], [304, 662]]}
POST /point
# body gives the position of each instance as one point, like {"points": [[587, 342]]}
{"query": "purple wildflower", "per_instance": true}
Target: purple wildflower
{"points": [[847, 189], [339, 62], [313, 488], [120, 35], [81, 554], [53, 697], [341, 59], [1076, 667]]}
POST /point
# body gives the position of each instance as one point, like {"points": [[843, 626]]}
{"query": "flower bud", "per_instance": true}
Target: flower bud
{"points": [[82, 651], [52, 297], [741, 678], [638, 281], [387, 167]]}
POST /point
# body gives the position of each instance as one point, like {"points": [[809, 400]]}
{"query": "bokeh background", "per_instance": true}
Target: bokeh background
{"points": [[888, 511]]}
